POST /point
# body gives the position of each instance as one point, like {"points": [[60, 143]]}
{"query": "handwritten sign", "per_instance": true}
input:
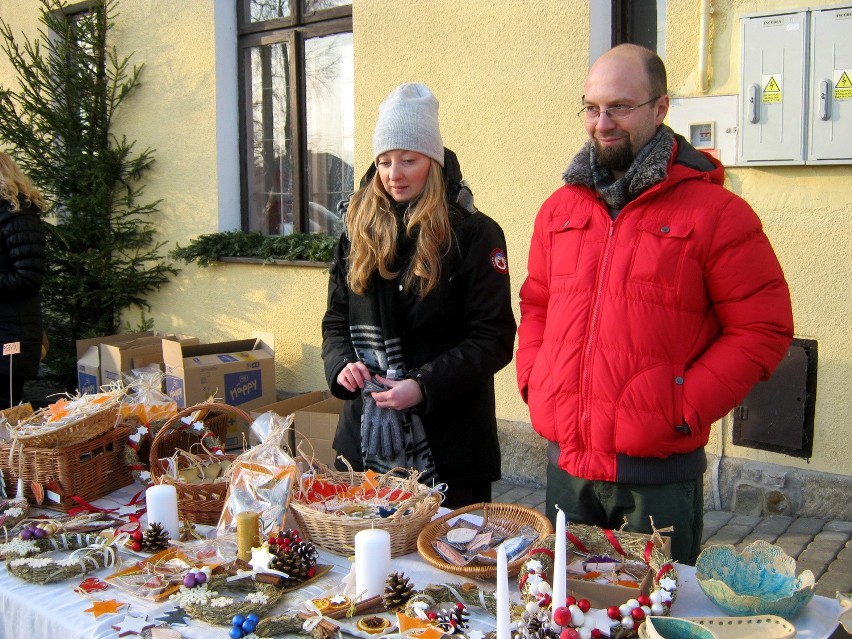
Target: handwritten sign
{"points": [[11, 348]]}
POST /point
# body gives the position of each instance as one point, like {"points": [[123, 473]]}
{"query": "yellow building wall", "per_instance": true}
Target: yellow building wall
{"points": [[509, 76]]}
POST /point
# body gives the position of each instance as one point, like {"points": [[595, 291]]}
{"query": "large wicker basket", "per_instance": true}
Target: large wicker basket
{"points": [[507, 518], [336, 532], [89, 469], [199, 503]]}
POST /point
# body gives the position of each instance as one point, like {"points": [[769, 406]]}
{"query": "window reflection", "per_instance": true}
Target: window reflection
{"points": [[261, 10], [271, 177], [319, 5], [330, 116]]}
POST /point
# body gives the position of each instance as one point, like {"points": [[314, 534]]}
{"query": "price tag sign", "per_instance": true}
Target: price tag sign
{"points": [[11, 348]]}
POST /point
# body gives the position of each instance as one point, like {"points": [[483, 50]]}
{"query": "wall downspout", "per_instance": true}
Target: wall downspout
{"points": [[704, 45]]}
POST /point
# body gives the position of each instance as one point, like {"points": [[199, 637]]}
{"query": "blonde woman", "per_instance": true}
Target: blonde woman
{"points": [[22, 247], [419, 315]]}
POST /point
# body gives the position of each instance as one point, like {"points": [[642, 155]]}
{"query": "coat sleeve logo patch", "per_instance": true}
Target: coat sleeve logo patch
{"points": [[499, 261]]}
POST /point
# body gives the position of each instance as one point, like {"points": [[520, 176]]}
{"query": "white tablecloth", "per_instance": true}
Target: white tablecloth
{"points": [[55, 612]]}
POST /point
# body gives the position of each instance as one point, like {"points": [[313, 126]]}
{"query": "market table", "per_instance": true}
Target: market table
{"points": [[30, 611]]}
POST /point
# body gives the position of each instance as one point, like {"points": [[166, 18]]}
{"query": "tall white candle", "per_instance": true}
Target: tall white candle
{"points": [[503, 616], [559, 560], [372, 562], [161, 503]]}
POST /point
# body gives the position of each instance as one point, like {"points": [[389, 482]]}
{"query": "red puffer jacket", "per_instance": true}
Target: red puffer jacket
{"points": [[629, 328]]}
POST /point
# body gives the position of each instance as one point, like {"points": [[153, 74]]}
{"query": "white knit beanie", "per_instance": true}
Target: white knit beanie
{"points": [[408, 120]]}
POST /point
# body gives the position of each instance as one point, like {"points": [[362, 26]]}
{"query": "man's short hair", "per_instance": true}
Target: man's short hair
{"points": [[656, 71]]}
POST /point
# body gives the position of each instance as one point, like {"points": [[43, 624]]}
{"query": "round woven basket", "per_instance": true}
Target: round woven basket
{"points": [[506, 518], [199, 503], [336, 532]]}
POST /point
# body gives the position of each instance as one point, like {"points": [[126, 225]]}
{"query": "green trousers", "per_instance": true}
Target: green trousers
{"points": [[607, 505]]}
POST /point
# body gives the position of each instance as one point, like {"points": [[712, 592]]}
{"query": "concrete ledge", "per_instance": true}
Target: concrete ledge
{"points": [[522, 452]]}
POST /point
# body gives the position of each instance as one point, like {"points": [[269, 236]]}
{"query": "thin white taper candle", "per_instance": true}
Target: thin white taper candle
{"points": [[559, 560], [503, 616]]}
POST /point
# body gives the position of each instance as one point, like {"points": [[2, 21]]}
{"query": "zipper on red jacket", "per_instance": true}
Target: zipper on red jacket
{"points": [[585, 418]]}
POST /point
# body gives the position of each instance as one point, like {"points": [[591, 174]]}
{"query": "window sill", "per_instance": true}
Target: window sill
{"points": [[257, 260]]}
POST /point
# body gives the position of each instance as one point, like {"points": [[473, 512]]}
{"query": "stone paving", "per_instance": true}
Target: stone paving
{"points": [[822, 546]]}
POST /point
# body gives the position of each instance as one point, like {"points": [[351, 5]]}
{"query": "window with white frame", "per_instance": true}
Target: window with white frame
{"points": [[296, 114]]}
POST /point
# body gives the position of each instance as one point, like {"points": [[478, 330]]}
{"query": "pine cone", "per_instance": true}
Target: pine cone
{"points": [[297, 560], [398, 590], [156, 538], [454, 621]]}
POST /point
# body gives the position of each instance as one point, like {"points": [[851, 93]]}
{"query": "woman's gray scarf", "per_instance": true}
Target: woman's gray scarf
{"points": [[389, 438], [649, 168]]}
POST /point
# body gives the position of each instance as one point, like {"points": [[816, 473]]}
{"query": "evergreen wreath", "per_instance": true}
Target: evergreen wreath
{"points": [[26, 558]]}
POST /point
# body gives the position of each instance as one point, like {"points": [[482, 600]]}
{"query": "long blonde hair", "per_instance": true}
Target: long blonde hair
{"points": [[372, 224], [14, 185]]}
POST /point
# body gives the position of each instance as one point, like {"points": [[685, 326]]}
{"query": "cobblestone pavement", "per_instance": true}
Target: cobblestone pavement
{"points": [[822, 546]]}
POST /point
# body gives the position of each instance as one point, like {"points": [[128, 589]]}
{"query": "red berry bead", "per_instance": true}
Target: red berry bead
{"points": [[597, 633], [644, 600], [638, 614], [562, 616], [570, 601], [584, 605], [569, 633], [137, 535], [613, 613], [136, 546]]}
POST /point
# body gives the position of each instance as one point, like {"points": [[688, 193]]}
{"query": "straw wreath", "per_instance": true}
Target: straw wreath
{"points": [[221, 597], [468, 593], [89, 553], [12, 511]]}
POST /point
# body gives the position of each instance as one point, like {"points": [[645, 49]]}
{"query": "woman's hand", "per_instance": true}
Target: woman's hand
{"points": [[353, 376], [403, 393]]}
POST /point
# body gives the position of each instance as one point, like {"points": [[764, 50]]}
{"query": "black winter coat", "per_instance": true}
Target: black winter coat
{"points": [[454, 341], [22, 250]]}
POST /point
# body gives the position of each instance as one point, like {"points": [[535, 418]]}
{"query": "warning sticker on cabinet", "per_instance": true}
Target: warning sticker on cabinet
{"points": [[771, 89], [843, 84]]}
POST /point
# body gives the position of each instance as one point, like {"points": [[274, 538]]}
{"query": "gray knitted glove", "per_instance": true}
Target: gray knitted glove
{"points": [[383, 426]]}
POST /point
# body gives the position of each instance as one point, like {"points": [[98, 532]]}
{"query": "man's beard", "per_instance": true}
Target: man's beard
{"points": [[615, 158]]}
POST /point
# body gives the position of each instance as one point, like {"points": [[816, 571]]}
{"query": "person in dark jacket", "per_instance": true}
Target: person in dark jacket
{"points": [[21, 270], [419, 315]]}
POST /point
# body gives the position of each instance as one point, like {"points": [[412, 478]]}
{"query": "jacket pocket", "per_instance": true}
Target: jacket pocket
{"points": [[660, 250], [567, 242], [648, 412]]}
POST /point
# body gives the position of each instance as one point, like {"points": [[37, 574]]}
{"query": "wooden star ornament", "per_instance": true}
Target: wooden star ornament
{"points": [[132, 626], [105, 607]]}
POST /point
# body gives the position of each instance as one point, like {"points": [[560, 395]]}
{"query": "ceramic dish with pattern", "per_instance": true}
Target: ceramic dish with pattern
{"points": [[761, 580]]}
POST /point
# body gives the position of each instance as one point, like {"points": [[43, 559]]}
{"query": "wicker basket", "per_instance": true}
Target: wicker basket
{"points": [[100, 420], [198, 503], [336, 532], [507, 518], [90, 469]]}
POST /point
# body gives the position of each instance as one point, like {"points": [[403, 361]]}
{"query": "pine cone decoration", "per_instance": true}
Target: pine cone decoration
{"points": [[156, 538], [453, 622], [294, 557], [398, 590]]}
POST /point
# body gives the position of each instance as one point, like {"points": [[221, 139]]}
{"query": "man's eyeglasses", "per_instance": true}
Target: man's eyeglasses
{"points": [[617, 112]]}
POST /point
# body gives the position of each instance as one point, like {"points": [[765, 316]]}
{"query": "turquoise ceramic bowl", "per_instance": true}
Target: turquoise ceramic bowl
{"points": [[759, 580], [674, 628]]}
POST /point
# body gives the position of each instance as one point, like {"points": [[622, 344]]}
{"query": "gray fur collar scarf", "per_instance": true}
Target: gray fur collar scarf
{"points": [[650, 167]]}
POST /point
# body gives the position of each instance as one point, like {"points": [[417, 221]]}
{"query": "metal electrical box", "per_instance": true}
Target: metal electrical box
{"points": [[709, 123], [773, 88], [830, 113]]}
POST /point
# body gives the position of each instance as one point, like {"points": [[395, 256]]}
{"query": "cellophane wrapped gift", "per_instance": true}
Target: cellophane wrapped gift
{"points": [[261, 479], [145, 401]]}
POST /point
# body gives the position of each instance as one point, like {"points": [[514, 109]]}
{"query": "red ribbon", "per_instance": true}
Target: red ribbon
{"points": [[546, 551], [614, 542], [662, 571], [648, 548], [85, 506], [577, 543]]}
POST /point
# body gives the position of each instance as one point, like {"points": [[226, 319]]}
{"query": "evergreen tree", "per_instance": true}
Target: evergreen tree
{"points": [[103, 257]]}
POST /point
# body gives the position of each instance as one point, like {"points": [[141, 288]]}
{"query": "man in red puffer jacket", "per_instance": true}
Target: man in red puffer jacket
{"points": [[654, 303]]}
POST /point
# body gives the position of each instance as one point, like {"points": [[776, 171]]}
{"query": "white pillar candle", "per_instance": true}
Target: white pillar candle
{"points": [[559, 563], [503, 616], [161, 503], [372, 562]]}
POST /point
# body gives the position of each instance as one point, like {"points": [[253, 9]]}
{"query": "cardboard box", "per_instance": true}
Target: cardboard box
{"points": [[240, 372], [287, 407], [89, 358], [605, 595], [120, 358], [318, 423]]}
